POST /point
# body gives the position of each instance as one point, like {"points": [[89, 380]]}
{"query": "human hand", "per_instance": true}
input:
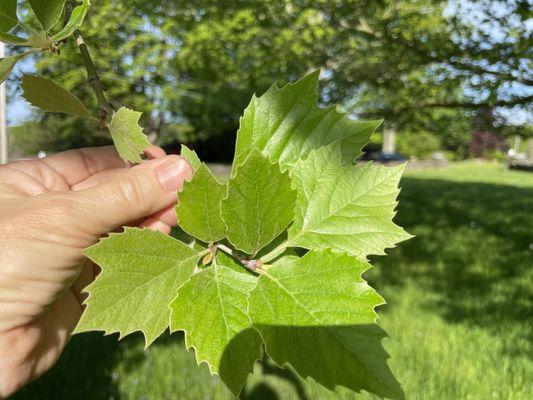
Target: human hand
{"points": [[50, 210]]}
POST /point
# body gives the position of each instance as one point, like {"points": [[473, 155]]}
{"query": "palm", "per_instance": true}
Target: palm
{"points": [[48, 288]]}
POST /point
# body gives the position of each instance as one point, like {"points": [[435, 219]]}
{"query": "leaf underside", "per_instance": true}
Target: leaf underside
{"points": [[191, 157], [49, 96], [141, 273], [7, 64], [259, 205], [75, 21], [48, 12], [212, 310], [292, 190], [317, 315], [198, 208], [345, 208], [8, 15], [286, 124], [127, 135]]}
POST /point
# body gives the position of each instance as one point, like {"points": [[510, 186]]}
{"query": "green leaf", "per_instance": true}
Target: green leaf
{"points": [[8, 63], [12, 39], [48, 12], [8, 15], [75, 21], [343, 207], [32, 41], [212, 310], [259, 205], [286, 124], [191, 156], [198, 206], [49, 96], [317, 315], [128, 136], [141, 273]]}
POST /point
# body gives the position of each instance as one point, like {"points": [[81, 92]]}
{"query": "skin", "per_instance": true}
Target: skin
{"points": [[50, 210]]}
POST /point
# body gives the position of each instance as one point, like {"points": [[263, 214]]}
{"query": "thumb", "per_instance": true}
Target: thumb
{"points": [[134, 194]]}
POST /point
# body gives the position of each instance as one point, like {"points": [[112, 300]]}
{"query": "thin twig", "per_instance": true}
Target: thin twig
{"points": [[231, 252], [253, 265], [92, 75]]}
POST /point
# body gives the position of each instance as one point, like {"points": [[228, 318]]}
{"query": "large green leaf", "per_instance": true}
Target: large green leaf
{"points": [[259, 205], [141, 273], [49, 96], [191, 156], [212, 310], [75, 21], [8, 15], [48, 12], [198, 206], [127, 135], [317, 315], [343, 207], [286, 124]]}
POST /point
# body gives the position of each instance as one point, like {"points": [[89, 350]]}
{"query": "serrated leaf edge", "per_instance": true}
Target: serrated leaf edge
{"points": [[314, 75], [190, 346], [121, 334], [219, 209], [234, 176], [288, 364]]}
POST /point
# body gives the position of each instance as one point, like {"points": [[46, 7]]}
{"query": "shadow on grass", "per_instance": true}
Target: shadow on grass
{"points": [[473, 250], [83, 372], [351, 356], [472, 258]]}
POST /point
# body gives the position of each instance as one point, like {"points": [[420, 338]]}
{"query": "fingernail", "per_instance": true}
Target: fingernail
{"points": [[172, 173]]}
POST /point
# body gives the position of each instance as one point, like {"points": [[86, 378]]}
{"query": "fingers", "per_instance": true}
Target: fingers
{"points": [[136, 193], [162, 221], [76, 166], [154, 152]]}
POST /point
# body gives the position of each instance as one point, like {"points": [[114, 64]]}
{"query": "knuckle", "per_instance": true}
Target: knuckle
{"points": [[133, 192]]}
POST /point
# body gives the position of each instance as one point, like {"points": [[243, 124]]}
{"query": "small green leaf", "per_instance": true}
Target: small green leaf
{"points": [[8, 63], [286, 124], [141, 273], [32, 41], [127, 135], [259, 205], [12, 39], [198, 206], [8, 15], [343, 207], [191, 156], [317, 315], [48, 12], [212, 310], [49, 96], [75, 21]]}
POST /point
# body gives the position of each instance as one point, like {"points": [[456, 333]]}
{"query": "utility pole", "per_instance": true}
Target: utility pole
{"points": [[4, 142]]}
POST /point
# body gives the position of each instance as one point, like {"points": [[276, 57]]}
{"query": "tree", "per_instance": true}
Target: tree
{"points": [[420, 65]]}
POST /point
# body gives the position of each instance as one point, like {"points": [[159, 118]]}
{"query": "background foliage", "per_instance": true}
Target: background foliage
{"points": [[439, 68]]}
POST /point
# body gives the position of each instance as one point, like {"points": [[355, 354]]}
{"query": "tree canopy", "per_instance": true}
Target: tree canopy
{"points": [[191, 67]]}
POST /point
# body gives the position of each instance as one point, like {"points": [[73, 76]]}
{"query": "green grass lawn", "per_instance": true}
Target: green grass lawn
{"points": [[459, 313]]}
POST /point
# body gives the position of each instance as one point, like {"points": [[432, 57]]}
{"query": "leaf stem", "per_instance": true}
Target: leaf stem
{"points": [[92, 75], [276, 252], [253, 265]]}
